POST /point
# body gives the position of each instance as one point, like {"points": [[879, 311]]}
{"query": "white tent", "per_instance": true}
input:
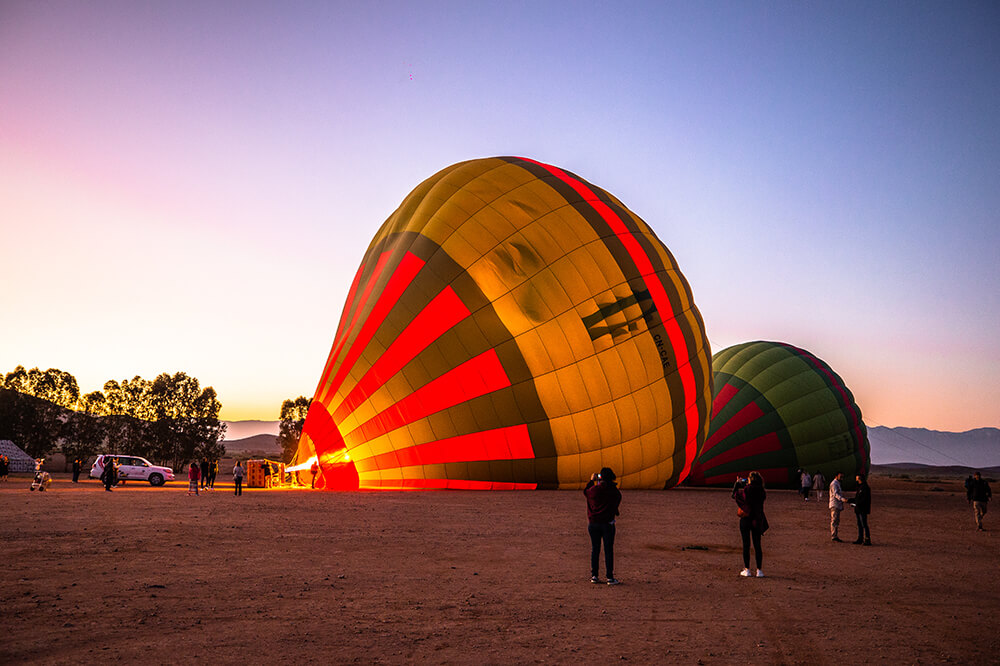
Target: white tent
{"points": [[19, 460]]}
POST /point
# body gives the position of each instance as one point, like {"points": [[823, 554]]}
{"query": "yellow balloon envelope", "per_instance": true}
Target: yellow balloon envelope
{"points": [[512, 326]]}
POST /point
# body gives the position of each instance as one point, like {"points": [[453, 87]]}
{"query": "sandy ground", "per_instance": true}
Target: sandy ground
{"points": [[471, 578]]}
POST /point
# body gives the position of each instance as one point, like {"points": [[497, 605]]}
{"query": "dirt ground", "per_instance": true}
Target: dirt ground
{"points": [[487, 577]]}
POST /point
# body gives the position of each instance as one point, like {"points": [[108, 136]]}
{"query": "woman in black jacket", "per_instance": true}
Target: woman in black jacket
{"points": [[862, 507], [750, 496]]}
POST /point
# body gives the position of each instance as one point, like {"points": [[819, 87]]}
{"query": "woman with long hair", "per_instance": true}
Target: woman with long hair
{"points": [[750, 495]]}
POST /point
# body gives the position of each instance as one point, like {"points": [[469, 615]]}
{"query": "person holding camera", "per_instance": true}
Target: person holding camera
{"points": [[749, 494], [603, 499]]}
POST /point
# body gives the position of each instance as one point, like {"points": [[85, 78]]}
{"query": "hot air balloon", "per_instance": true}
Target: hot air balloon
{"points": [[776, 409], [511, 326]]}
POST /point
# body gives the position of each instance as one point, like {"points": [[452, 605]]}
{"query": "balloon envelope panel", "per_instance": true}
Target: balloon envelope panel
{"points": [[513, 326], [776, 409]]}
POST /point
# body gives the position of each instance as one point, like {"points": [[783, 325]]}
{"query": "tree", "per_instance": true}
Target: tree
{"points": [[293, 417], [186, 419], [127, 415], [38, 408], [168, 419], [28, 422], [58, 387], [86, 430]]}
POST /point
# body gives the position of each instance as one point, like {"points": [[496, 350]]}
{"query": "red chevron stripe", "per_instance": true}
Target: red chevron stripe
{"points": [[442, 484], [350, 299], [400, 280], [763, 444], [478, 376], [727, 393], [432, 322], [512, 443], [341, 339], [744, 417]]}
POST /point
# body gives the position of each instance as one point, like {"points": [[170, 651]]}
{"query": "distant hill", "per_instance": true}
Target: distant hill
{"points": [[244, 429], [974, 448], [916, 469], [258, 443]]}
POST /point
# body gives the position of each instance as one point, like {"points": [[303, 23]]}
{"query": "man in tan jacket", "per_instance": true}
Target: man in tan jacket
{"points": [[837, 500]]}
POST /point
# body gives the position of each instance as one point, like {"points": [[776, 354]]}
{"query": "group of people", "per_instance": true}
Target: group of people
{"points": [[749, 495], [809, 482], [862, 503], [4, 467], [197, 475], [604, 499], [207, 471]]}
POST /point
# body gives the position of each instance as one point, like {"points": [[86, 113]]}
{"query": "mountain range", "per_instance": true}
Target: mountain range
{"points": [[974, 448]]}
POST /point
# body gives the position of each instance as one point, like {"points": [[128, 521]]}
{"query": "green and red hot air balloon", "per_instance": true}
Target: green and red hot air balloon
{"points": [[776, 409]]}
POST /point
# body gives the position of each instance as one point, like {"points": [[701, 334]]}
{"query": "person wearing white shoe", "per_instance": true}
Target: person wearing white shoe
{"points": [[819, 482], [805, 482], [603, 500], [749, 494]]}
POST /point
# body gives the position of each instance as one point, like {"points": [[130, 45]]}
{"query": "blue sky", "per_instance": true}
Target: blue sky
{"points": [[191, 186]]}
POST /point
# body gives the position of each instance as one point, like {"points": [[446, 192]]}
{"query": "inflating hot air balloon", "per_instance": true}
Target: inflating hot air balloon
{"points": [[776, 409], [512, 326]]}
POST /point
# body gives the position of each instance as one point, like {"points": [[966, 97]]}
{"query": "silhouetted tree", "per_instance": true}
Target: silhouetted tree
{"points": [[30, 422], [186, 422], [85, 430], [38, 410], [293, 417], [168, 419]]}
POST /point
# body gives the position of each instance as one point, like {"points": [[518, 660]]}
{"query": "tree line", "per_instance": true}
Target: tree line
{"points": [[168, 420]]}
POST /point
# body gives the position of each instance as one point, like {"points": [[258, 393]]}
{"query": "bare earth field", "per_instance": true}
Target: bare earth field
{"points": [[147, 574]]}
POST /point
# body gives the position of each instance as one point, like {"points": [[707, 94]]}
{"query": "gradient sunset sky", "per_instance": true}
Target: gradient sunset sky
{"points": [[192, 185]]}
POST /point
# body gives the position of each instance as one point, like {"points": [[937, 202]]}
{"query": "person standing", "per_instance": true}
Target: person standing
{"points": [[77, 464], [980, 494], [750, 495], [213, 471], [110, 473], [819, 482], [204, 471], [238, 478], [805, 482], [267, 473], [603, 500], [4, 467], [862, 507], [314, 470], [194, 475], [837, 500]]}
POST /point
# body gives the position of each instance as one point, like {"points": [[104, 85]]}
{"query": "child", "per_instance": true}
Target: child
{"points": [[194, 474]]}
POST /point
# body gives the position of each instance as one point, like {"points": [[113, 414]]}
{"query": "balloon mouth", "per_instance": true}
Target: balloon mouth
{"points": [[337, 472]]}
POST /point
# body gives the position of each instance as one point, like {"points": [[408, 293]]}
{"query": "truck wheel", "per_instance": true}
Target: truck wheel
{"points": [[155, 480]]}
